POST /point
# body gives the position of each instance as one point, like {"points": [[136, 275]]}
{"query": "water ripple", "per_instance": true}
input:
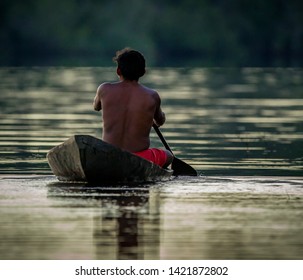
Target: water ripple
{"points": [[222, 121]]}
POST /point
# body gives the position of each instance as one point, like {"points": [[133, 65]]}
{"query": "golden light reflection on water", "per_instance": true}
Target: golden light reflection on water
{"points": [[213, 115], [186, 218]]}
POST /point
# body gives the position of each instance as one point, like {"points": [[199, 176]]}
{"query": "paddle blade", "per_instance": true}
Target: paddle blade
{"points": [[182, 169]]}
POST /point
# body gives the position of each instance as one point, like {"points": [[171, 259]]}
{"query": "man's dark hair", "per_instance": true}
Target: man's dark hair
{"points": [[131, 64]]}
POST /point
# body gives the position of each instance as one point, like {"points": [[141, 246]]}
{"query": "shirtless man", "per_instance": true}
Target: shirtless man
{"points": [[129, 109]]}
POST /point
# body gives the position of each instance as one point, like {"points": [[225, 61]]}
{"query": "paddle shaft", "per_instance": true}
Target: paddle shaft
{"points": [[179, 166], [162, 138]]}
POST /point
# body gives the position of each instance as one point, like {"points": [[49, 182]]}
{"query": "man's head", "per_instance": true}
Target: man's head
{"points": [[131, 64]]}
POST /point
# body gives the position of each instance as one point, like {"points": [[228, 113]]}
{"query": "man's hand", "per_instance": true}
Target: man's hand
{"points": [[159, 124]]}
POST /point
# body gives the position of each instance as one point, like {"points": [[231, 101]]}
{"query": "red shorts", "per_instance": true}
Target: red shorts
{"points": [[154, 155]]}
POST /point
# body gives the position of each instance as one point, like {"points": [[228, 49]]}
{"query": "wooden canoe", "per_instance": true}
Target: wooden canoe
{"points": [[85, 158]]}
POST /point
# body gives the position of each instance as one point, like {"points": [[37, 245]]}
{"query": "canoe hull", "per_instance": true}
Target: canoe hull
{"points": [[85, 158]]}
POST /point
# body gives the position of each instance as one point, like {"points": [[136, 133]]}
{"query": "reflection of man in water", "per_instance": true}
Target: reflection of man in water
{"points": [[129, 109], [129, 226]]}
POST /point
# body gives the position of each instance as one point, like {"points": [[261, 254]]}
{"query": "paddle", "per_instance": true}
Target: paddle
{"points": [[180, 167]]}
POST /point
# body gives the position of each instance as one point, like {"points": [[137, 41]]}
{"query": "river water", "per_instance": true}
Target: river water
{"points": [[240, 128]]}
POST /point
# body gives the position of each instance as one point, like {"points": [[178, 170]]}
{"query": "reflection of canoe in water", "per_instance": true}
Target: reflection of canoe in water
{"points": [[86, 158]]}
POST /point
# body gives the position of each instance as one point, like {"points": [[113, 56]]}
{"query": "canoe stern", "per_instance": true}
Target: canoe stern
{"points": [[89, 159], [64, 161]]}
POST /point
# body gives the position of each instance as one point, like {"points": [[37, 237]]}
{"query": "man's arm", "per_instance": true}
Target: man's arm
{"points": [[159, 117], [97, 101]]}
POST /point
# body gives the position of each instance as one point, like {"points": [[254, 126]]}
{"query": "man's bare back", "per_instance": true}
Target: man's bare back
{"points": [[129, 110]]}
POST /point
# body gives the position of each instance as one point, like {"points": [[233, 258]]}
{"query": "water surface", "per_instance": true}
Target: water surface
{"points": [[188, 218], [222, 121], [240, 128]]}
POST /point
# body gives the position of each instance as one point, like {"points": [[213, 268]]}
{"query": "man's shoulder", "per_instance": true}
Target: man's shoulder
{"points": [[104, 87], [107, 85], [150, 90]]}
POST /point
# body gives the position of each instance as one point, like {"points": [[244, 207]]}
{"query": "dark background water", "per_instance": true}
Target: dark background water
{"points": [[169, 33], [223, 121]]}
